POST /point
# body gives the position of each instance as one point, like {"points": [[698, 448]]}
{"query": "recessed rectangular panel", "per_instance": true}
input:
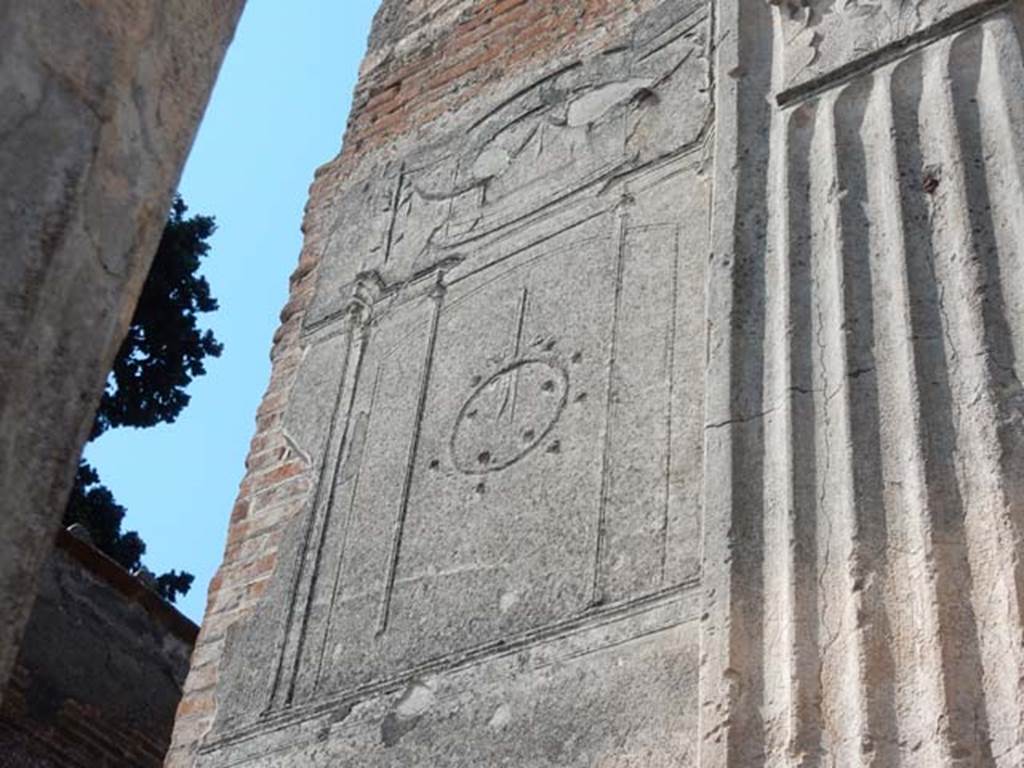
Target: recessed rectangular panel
{"points": [[507, 456], [637, 449], [371, 495], [502, 527]]}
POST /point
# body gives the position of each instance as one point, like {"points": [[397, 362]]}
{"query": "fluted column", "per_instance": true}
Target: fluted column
{"points": [[875, 471]]}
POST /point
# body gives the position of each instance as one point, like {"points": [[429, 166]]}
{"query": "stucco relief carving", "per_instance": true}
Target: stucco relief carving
{"points": [[494, 431], [496, 389], [575, 129], [873, 431], [602, 398], [823, 37]]}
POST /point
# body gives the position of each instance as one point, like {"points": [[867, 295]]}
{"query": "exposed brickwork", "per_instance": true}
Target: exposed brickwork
{"points": [[100, 671], [75, 736], [455, 56], [428, 59]]}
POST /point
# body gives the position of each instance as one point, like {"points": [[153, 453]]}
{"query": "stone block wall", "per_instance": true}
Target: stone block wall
{"points": [[99, 103], [100, 670]]}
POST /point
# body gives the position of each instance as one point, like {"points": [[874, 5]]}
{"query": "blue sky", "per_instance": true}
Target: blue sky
{"points": [[278, 111]]}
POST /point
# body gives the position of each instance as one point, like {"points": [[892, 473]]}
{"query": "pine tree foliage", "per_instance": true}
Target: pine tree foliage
{"points": [[93, 506], [165, 348], [163, 352]]}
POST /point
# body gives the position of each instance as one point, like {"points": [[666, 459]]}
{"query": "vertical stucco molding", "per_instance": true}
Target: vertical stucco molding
{"points": [[864, 434], [730, 729]]}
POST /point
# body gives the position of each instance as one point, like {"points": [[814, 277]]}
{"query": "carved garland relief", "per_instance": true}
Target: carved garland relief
{"points": [[820, 37]]}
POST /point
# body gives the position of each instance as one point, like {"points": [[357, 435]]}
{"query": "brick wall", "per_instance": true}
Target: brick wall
{"points": [[430, 63], [100, 670]]}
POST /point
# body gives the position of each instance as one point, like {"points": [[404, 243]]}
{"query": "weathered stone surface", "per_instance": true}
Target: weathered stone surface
{"points": [[100, 671], [99, 102], [675, 332], [497, 371], [494, 396], [862, 550]]}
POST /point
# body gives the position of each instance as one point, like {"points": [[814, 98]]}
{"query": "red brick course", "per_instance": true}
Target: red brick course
{"points": [[96, 681], [75, 736]]}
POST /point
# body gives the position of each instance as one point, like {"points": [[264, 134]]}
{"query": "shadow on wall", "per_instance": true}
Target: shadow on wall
{"points": [[100, 671]]}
